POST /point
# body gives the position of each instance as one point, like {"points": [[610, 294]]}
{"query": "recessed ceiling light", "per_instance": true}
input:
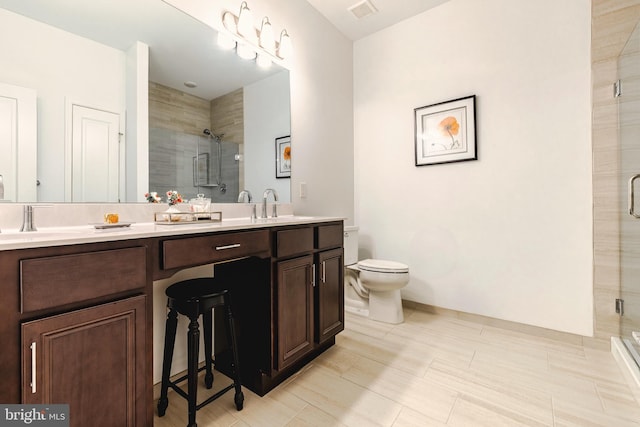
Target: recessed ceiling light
{"points": [[190, 84]]}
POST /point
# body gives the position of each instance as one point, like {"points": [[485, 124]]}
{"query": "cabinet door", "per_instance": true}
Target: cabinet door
{"points": [[330, 288], [92, 359], [295, 310]]}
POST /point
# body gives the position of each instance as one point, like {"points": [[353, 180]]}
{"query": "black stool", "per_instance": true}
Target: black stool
{"points": [[193, 298]]}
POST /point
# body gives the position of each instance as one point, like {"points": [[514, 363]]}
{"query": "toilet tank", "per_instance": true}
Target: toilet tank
{"points": [[350, 245]]}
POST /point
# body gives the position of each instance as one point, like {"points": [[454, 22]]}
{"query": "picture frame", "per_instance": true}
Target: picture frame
{"points": [[446, 132], [201, 169], [283, 157]]}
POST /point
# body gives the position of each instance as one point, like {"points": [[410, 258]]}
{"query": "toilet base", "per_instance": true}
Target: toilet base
{"points": [[386, 306], [381, 306], [357, 310], [354, 303]]}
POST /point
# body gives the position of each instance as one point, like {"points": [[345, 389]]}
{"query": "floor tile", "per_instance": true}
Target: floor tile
{"points": [[435, 370]]}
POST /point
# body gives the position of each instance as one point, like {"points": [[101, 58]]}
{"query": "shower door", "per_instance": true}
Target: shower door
{"points": [[627, 91]]}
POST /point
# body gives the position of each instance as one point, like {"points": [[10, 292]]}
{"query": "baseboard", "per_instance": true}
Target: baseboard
{"points": [[537, 331]]}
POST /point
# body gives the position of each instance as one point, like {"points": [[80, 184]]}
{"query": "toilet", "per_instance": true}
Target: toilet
{"points": [[372, 286]]}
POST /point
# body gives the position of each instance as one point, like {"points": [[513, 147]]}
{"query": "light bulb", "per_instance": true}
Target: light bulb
{"points": [[263, 60], [245, 51], [225, 41]]}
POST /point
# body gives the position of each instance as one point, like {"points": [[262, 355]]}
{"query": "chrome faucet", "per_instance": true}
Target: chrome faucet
{"points": [[245, 197], [27, 217], [265, 195]]}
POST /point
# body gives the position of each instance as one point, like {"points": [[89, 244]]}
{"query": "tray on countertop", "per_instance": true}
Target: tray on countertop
{"points": [[105, 226], [184, 218]]}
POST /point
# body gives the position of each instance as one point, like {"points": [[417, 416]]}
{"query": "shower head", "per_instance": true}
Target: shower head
{"points": [[207, 132]]}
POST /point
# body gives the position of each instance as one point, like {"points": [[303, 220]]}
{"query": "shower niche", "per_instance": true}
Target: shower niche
{"points": [[194, 164]]}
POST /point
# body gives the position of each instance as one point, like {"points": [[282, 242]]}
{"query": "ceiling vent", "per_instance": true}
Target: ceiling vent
{"points": [[362, 9]]}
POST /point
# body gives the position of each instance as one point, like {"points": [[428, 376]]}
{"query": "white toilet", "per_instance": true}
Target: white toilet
{"points": [[372, 286]]}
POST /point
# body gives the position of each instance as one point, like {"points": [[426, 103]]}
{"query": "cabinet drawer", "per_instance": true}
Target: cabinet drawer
{"points": [[329, 236], [295, 241], [192, 251], [59, 280]]}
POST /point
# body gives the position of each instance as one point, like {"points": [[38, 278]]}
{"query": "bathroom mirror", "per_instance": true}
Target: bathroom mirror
{"points": [[86, 65]]}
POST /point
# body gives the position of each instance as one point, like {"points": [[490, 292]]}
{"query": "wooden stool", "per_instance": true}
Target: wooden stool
{"points": [[193, 298]]}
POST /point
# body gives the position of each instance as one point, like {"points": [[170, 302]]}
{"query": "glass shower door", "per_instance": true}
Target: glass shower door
{"points": [[628, 96]]}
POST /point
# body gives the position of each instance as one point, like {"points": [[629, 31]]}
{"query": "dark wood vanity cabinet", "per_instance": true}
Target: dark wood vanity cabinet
{"points": [[295, 310], [310, 290], [75, 331], [329, 314], [91, 359], [304, 288], [77, 319]]}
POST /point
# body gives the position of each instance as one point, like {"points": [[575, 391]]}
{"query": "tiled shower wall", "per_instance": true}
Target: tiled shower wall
{"points": [[176, 122], [613, 21], [227, 117]]}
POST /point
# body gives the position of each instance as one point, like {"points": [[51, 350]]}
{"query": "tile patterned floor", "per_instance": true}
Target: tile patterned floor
{"points": [[435, 370]]}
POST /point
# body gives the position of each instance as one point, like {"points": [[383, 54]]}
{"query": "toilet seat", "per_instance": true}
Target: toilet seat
{"points": [[382, 266]]}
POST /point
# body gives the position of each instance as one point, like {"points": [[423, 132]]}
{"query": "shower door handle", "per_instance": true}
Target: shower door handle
{"points": [[631, 198]]}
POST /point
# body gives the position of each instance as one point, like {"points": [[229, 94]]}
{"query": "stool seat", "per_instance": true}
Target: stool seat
{"points": [[194, 298], [203, 293]]}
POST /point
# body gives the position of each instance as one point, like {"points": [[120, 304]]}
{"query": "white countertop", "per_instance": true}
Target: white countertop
{"points": [[59, 236]]}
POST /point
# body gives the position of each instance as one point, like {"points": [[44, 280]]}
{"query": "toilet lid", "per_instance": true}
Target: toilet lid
{"points": [[382, 266]]}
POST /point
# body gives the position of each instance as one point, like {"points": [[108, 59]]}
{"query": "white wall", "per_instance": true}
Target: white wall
{"points": [[59, 66], [509, 235], [266, 117], [321, 100]]}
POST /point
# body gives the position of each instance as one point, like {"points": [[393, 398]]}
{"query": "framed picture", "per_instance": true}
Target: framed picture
{"points": [[446, 132], [201, 169], [283, 157]]}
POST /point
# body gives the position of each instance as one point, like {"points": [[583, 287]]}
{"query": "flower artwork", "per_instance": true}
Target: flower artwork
{"points": [[286, 155], [445, 132], [283, 157], [152, 197], [173, 197], [449, 126]]}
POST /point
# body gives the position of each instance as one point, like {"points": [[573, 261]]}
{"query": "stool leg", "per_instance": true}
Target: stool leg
{"points": [[239, 396], [193, 338], [208, 350], [169, 342]]}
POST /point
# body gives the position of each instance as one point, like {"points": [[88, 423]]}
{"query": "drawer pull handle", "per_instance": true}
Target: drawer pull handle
{"points": [[33, 367], [222, 248], [313, 275]]}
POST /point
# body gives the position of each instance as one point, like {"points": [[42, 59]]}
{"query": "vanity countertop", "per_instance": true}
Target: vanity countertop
{"points": [[60, 236]]}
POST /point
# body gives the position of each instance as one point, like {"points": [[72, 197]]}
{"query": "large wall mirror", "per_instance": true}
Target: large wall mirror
{"points": [[215, 121]]}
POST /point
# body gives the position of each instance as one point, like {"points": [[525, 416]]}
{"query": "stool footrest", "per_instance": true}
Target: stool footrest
{"points": [[185, 376], [215, 396], [178, 390]]}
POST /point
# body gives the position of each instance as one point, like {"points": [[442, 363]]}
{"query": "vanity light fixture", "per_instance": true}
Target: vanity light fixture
{"points": [[251, 43], [284, 48], [267, 41], [245, 22]]}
